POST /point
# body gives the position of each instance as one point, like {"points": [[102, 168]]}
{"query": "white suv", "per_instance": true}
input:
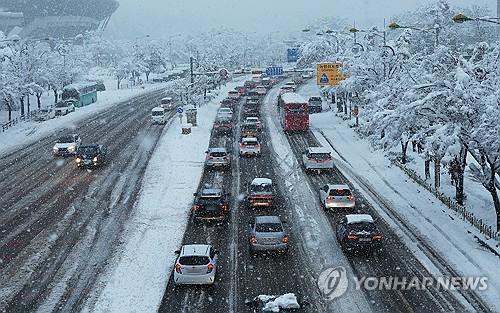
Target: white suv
{"points": [[317, 158], [249, 146], [67, 145], [196, 265]]}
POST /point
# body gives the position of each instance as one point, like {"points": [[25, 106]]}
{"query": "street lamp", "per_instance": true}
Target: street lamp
{"points": [[394, 25], [461, 18]]}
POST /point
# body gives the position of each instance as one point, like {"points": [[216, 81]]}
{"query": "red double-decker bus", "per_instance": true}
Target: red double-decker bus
{"points": [[294, 112]]}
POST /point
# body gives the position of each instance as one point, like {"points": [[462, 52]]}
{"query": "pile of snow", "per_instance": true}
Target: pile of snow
{"points": [[275, 303]]}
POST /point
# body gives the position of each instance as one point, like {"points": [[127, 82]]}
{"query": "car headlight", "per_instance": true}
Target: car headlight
{"points": [[71, 148], [55, 149], [95, 159], [78, 160]]}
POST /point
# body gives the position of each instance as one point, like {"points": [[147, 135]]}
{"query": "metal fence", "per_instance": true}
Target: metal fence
{"points": [[462, 211], [17, 120]]}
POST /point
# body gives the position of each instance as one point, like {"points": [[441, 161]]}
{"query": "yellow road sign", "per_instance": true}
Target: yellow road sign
{"points": [[328, 74]]}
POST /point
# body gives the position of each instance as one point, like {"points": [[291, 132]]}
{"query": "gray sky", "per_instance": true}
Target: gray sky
{"points": [[164, 18]]}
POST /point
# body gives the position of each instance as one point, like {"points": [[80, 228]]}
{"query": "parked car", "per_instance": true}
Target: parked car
{"points": [[195, 265], [225, 113], [358, 231], [64, 107], [45, 114], [217, 157], [254, 120], [261, 193], [315, 104], [211, 204], [336, 196], [250, 146], [249, 130], [317, 158], [224, 125], [67, 145], [268, 234], [93, 155]]}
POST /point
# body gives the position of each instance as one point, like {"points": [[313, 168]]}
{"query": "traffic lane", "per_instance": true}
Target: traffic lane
{"points": [[24, 207], [395, 259], [213, 298], [272, 274], [57, 227]]}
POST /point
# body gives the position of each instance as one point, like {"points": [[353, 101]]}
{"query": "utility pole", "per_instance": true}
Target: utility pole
{"points": [[191, 68], [498, 16]]}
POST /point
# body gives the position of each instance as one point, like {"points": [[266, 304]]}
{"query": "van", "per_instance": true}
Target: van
{"points": [[158, 115], [167, 103]]}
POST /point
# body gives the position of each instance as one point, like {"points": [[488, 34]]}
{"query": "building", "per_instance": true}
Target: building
{"points": [[54, 18]]}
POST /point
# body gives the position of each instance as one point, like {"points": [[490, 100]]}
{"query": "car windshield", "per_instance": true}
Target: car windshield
{"points": [[268, 227], [250, 143], [340, 192], [87, 150], [194, 260], [158, 113], [361, 226], [66, 139], [260, 188], [218, 154], [320, 156], [249, 127], [209, 201]]}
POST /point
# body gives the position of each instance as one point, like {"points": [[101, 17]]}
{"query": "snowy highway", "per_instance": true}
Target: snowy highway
{"points": [[58, 236]]}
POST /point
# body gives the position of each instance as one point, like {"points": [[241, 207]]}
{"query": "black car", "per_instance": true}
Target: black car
{"points": [[93, 155], [223, 125], [211, 204], [357, 232]]}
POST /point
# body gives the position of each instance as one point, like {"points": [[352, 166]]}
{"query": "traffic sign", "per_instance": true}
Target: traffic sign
{"points": [[274, 70], [180, 110], [293, 54], [328, 74]]}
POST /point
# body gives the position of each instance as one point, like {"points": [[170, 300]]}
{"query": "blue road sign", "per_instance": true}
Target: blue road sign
{"points": [[293, 54], [180, 110], [274, 70], [323, 79]]}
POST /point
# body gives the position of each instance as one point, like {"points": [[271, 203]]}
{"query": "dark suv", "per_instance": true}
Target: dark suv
{"points": [[358, 231], [211, 204], [224, 125], [90, 156]]}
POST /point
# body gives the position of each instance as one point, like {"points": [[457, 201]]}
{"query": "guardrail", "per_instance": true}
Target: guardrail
{"points": [[462, 211], [17, 120]]}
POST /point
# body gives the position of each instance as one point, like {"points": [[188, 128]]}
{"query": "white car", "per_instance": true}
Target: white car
{"points": [[159, 115], [249, 146], [261, 90], [67, 145], [317, 158], [45, 114], [336, 196], [195, 265], [225, 113], [64, 107]]}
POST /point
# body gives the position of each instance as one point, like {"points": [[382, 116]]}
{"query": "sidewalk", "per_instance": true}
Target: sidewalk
{"points": [[435, 223]]}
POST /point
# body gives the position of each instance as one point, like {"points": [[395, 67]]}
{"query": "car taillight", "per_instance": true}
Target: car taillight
{"points": [[210, 268], [195, 207], [253, 240], [330, 198], [210, 157], [350, 198], [377, 237], [226, 158], [257, 146], [285, 239], [178, 268], [242, 145], [352, 237], [225, 207]]}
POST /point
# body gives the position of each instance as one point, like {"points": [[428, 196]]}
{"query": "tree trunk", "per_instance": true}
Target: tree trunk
{"points": [[437, 172], [404, 148], [147, 76], [427, 168], [38, 101], [21, 100], [28, 103], [118, 83], [459, 169], [55, 95]]}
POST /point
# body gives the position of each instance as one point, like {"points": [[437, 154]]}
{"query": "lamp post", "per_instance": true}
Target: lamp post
{"points": [[394, 25]]}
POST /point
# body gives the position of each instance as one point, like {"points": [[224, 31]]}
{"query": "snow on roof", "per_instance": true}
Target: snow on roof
{"points": [[195, 250], [249, 139], [217, 150], [267, 219], [158, 109], [292, 97], [261, 181], [318, 150], [338, 186], [274, 304], [358, 218]]}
